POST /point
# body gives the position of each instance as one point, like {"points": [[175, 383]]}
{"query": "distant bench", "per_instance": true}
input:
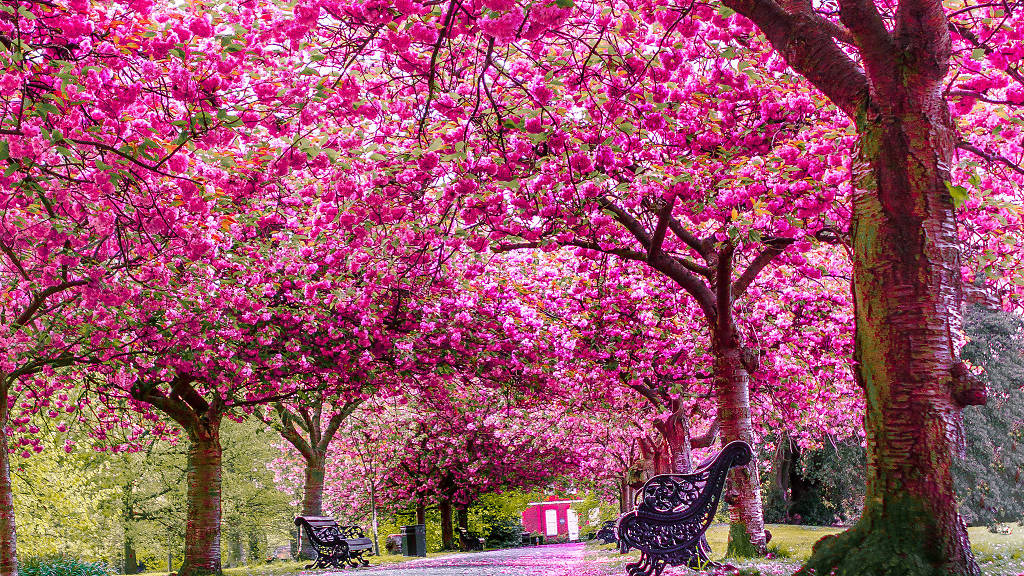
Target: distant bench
{"points": [[607, 533], [335, 544], [469, 541]]}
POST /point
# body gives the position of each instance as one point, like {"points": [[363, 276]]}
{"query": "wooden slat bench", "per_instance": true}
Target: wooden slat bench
{"points": [[334, 544]]}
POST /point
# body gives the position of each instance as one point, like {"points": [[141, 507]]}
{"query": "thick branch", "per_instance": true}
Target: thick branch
{"points": [[182, 386], [861, 17], [708, 438], [176, 409], [810, 49], [663, 262], [770, 253], [664, 216], [288, 431], [923, 30], [702, 247], [39, 298], [335, 422], [723, 291]]}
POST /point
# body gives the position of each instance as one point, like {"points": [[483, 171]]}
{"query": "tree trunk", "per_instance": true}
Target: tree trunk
{"points": [[373, 519], [203, 506], [131, 561], [8, 537], [747, 535], [312, 497], [907, 292], [625, 502], [788, 480], [462, 520], [447, 532], [313, 488], [421, 514], [676, 431]]}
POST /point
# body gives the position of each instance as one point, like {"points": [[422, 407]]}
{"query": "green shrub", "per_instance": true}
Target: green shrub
{"points": [[504, 532], [62, 566]]}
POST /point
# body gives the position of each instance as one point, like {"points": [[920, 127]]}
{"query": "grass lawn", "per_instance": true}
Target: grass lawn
{"points": [[998, 554], [281, 568]]}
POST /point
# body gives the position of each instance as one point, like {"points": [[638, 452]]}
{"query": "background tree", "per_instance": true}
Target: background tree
{"points": [[990, 478]]}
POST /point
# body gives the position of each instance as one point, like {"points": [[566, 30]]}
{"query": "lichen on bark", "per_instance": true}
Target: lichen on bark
{"points": [[897, 539], [740, 545]]}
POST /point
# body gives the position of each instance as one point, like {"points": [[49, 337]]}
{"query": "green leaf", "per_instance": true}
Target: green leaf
{"points": [[959, 194], [5, 150], [564, 3]]}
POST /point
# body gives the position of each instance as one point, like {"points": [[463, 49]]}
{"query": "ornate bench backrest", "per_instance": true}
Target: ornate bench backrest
{"points": [[321, 530], [351, 532], [696, 494]]}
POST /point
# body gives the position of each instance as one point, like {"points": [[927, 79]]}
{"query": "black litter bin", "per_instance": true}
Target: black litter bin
{"points": [[414, 540]]}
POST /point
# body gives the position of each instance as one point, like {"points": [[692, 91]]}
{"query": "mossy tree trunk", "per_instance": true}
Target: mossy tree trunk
{"points": [[201, 419], [8, 534], [313, 488], [907, 294], [906, 273], [312, 497], [131, 560]]}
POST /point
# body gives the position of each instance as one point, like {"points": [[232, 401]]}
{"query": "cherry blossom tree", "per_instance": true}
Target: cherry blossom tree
{"points": [[826, 77]]}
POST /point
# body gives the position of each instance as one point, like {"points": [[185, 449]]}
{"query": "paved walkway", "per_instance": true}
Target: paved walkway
{"points": [[550, 560]]}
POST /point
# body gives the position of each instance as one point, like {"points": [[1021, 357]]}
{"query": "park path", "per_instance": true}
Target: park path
{"points": [[550, 560]]}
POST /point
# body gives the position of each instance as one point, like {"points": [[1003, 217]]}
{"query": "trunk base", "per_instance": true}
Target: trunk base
{"points": [[900, 540], [740, 545]]}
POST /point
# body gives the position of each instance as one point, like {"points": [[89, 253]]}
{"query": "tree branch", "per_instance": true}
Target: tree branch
{"points": [[811, 50], [664, 216], [770, 253], [289, 433], [991, 157]]}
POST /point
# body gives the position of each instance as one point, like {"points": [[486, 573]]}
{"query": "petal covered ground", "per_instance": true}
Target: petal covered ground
{"points": [[552, 560]]}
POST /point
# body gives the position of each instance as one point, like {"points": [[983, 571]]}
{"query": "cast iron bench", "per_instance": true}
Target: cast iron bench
{"points": [[674, 511], [335, 544], [607, 533]]}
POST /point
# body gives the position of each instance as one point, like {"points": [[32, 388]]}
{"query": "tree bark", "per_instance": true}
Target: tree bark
{"points": [[8, 536], [677, 437], [313, 488], [462, 520], [625, 503], [733, 395], [907, 294], [447, 531], [312, 496], [203, 502], [421, 514], [131, 561]]}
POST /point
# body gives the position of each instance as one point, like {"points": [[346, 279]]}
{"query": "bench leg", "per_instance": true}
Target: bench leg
{"points": [[356, 560], [646, 566]]}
